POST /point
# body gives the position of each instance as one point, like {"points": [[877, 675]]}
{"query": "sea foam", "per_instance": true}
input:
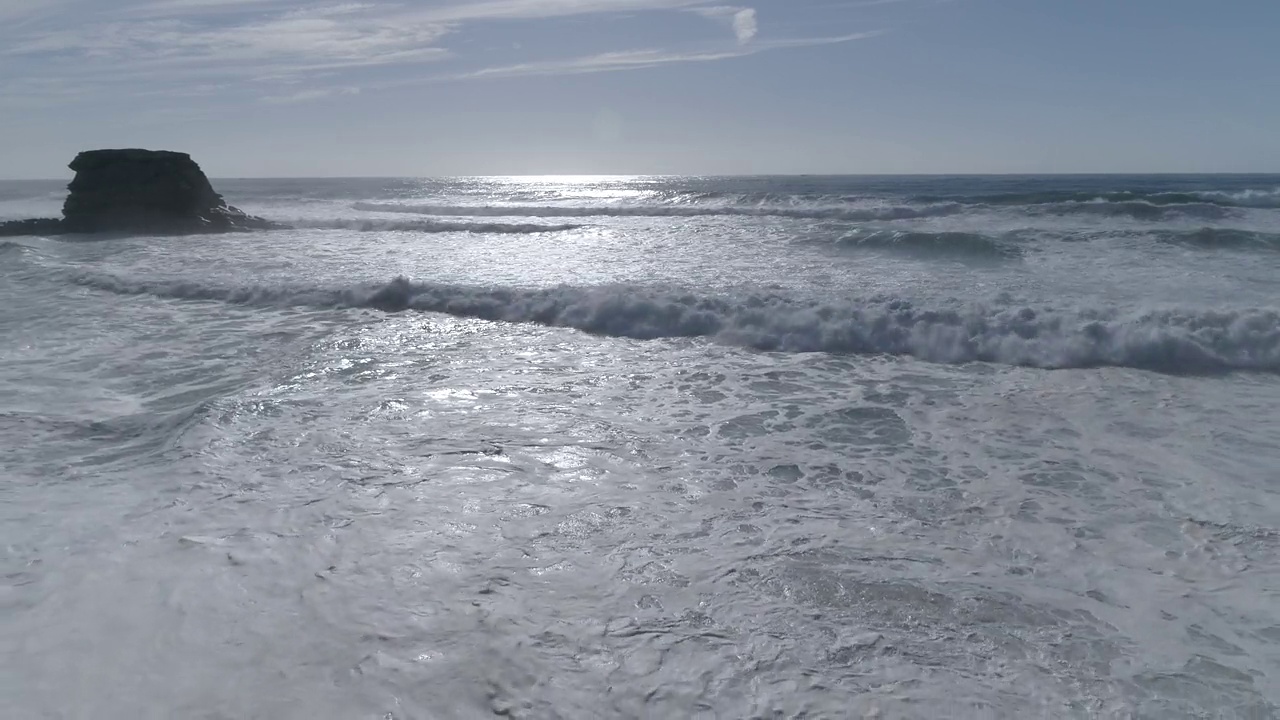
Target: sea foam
{"points": [[1167, 340]]}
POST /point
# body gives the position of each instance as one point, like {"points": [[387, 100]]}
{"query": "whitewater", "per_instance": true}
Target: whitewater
{"points": [[649, 447]]}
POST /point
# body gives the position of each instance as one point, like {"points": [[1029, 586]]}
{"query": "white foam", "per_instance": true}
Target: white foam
{"points": [[1167, 340]]}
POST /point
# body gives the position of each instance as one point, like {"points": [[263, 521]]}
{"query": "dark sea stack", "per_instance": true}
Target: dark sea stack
{"points": [[139, 191], [147, 191]]}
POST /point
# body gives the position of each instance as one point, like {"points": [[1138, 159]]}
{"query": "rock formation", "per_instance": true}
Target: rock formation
{"points": [[139, 191]]}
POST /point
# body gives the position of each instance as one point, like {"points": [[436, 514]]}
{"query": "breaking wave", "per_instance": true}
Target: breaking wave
{"points": [[814, 212], [1137, 209], [933, 244], [431, 226], [1254, 198], [1171, 341]]}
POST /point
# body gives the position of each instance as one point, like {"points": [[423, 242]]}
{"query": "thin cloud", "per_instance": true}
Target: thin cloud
{"points": [[528, 9], [741, 19], [268, 34], [867, 3], [328, 38], [163, 46], [449, 12], [310, 95], [640, 59], [16, 15], [177, 8], [19, 8], [26, 93]]}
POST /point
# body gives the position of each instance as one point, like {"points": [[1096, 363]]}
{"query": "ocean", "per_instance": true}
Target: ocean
{"points": [[649, 447]]}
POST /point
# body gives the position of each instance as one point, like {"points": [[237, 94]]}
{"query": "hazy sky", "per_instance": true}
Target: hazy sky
{"points": [[440, 87]]}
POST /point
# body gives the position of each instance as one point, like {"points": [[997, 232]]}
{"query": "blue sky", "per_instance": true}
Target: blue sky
{"points": [[442, 87]]}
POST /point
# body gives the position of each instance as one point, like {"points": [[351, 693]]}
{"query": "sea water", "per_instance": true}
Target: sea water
{"points": [[649, 447]]}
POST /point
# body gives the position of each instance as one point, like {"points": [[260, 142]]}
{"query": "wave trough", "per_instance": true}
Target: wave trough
{"points": [[1210, 238]]}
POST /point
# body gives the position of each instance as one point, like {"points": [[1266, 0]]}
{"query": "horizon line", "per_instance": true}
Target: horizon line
{"points": [[1126, 173]]}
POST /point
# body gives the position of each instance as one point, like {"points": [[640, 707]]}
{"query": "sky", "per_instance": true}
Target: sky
{"points": [[282, 88]]}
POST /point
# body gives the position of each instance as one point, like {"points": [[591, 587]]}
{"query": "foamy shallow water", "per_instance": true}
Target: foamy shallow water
{"points": [[254, 476]]}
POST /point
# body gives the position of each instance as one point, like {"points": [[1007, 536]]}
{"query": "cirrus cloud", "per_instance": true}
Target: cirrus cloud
{"points": [[290, 51]]}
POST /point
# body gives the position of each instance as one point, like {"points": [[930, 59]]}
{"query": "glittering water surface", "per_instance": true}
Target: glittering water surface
{"points": [[650, 447]]}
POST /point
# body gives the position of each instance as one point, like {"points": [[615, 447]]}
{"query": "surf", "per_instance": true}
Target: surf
{"points": [[1167, 340]]}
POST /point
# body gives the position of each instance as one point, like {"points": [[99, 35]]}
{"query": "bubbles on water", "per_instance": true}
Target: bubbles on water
{"points": [[278, 507]]}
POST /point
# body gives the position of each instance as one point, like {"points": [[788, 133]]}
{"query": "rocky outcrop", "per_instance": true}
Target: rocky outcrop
{"points": [[140, 191], [147, 191]]}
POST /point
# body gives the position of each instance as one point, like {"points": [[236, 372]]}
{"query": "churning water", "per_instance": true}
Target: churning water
{"points": [[650, 448]]}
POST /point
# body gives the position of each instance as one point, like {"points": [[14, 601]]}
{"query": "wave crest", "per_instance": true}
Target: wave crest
{"points": [[933, 244], [1244, 198], [1136, 209], [1172, 341]]}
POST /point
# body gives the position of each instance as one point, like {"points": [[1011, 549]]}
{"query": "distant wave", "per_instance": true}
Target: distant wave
{"points": [[1255, 198], [933, 244], [1137, 209], [1142, 209], [963, 245], [1172, 341], [431, 226], [1244, 198], [800, 212]]}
